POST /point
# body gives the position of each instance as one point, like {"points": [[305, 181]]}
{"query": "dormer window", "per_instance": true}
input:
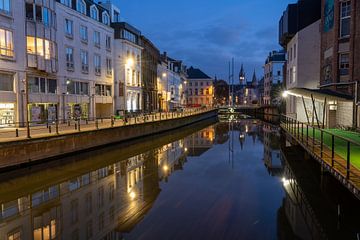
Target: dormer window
{"points": [[94, 13], [105, 18], [81, 6]]}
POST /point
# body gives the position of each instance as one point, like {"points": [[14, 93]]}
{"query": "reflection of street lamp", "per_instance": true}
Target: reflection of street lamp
{"points": [[132, 195]]}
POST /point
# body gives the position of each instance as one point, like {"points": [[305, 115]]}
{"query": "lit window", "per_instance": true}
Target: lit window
{"points": [[94, 14], [39, 46], [81, 6], [14, 236], [5, 6], [345, 17], [6, 43]]}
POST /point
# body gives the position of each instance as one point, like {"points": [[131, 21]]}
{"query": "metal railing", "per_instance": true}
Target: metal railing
{"points": [[61, 126], [342, 154]]}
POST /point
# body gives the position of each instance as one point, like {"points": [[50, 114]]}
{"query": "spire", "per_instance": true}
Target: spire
{"points": [[254, 79], [242, 75]]}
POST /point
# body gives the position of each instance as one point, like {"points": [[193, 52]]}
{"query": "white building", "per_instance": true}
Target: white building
{"points": [[171, 84], [303, 68], [127, 65], [200, 88], [28, 55], [273, 75], [85, 42]]}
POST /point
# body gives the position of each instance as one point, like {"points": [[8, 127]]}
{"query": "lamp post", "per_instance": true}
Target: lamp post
{"points": [[26, 83], [165, 75]]}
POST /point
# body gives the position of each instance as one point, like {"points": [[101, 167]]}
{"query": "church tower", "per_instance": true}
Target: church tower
{"points": [[242, 76], [254, 80]]}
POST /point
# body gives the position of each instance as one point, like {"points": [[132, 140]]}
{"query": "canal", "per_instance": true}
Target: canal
{"points": [[235, 179]]}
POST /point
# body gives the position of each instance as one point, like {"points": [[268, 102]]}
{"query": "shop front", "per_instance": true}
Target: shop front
{"points": [[77, 111], [41, 113], [7, 115]]}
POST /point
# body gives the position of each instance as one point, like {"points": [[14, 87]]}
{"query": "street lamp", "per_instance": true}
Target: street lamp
{"points": [[285, 94]]}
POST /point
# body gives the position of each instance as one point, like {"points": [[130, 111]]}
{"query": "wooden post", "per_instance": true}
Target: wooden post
{"points": [[324, 112], [313, 102], [306, 113]]}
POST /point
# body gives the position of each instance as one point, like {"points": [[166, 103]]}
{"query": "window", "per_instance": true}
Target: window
{"points": [[105, 18], [108, 66], [97, 38], [68, 27], [78, 88], [5, 6], [89, 228], [6, 82], [42, 85], [102, 90], [81, 6], [69, 58], [66, 2], [116, 16], [88, 203], [108, 42], [74, 211], [196, 92], [345, 17], [344, 64], [46, 16], [294, 51], [14, 236], [101, 199], [6, 43], [41, 47], [97, 64], [84, 56], [83, 33], [94, 14], [29, 8]]}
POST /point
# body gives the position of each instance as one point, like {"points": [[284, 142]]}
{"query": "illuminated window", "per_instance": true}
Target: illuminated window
{"points": [[6, 43], [14, 236]]}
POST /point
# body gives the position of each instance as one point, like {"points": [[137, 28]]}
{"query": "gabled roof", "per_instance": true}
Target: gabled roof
{"points": [[195, 73]]}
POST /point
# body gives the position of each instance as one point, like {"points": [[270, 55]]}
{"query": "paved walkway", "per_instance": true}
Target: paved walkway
{"points": [[16, 134]]}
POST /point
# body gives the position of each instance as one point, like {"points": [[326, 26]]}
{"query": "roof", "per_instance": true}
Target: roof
{"points": [[320, 94], [195, 73]]}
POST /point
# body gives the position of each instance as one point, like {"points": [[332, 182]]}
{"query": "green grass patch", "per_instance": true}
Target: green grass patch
{"points": [[340, 144]]}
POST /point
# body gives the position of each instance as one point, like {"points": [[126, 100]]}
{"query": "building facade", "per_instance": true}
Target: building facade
{"points": [[299, 35], [273, 76], [128, 75], [150, 59], [200, 88], [85, 41]]}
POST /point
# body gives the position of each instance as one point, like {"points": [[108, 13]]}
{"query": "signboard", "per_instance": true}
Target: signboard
{"points": [[329, 15], [35, 114], [51, 113]]}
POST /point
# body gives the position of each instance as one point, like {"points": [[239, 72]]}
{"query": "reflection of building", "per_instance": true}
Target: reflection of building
{"points": [[200, 142], [272, 158]]}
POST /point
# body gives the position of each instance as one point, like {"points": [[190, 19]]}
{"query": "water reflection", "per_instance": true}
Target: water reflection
{"points": [[177, 186]]}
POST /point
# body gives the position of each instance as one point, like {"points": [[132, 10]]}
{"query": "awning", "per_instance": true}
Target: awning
{"points": [[320, 94]]}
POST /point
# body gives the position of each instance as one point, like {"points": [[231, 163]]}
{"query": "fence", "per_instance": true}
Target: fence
{"points": [[59, 126]]}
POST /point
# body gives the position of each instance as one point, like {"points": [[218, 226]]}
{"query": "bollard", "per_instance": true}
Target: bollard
{"points": [[86, 121], [57, 127], [68, 123], [79, 124], [49, 128], [112, 121], [17, 132], [96, 124], [75, 126]]}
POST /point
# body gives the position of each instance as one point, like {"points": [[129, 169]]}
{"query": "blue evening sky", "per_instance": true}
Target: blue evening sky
{"points": [[208, 33]]}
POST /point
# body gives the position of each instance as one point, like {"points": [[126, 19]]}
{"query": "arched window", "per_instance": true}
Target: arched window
{"points": [[81, 6], [105, 18], [94, 13]]}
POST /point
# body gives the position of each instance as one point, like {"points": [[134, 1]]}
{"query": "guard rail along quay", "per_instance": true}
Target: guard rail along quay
{"points": [[337, 154], [29, 145]]}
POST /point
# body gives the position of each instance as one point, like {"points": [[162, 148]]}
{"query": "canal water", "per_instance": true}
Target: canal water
{"points": [[235, 179]]}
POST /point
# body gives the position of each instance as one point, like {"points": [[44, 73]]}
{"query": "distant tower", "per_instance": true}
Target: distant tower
{"points": [[254, 80], [242, 75]]}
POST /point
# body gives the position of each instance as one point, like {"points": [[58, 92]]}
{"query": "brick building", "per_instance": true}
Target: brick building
{"points": [[340, 46]]}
